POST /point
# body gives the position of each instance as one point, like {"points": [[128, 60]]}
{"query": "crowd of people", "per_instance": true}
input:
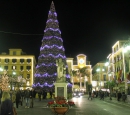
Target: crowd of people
{"points": [[102, 94], [15, 98]]}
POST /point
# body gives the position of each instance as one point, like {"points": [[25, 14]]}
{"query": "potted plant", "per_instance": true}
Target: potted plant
{"points": [[60, 105]]}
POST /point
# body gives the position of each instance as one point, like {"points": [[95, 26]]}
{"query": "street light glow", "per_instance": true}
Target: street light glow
{"points": [[1, 69], [14, 73], [107, 63], [124, 50], [103, 69], [98, 70]]}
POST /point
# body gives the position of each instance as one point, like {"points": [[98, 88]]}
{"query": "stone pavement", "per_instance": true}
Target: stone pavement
{"points": [[40, 108], [114, 100]]}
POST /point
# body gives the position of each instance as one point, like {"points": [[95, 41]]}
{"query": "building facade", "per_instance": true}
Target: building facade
{"points": [[120, 65], [100, 76], [80, 80], [22, 64]]}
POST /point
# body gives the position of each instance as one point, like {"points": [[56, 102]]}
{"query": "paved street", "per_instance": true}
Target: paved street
{"points": [[83, 107]]}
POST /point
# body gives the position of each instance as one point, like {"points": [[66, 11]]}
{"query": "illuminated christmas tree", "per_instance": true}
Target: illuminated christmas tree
{"points": [[51, 50], [4, 82]]}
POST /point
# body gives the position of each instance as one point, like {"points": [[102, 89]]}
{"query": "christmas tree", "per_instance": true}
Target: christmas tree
{"points": [[4, 82], [51, 50]]}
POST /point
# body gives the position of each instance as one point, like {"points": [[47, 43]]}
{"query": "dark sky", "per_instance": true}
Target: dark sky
{"points": [[90, 27]]}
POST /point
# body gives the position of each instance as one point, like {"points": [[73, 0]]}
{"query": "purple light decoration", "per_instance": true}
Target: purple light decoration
{"points": [[67, 76], [52, 30], [53, 13], [49, 37], [50, 20], [46, 46], [45, 75], [59, 55], [47, 65], [45, 84], [70, 85]]}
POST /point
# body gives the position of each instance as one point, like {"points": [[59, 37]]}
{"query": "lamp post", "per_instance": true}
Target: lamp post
{"points": [[1, 69], [98, 70], [14, 73], [107, 64]]}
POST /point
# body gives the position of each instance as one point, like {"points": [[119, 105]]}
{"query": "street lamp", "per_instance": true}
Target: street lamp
{"points": [[14, 73], [100, 70], [1, 69], [107, 64]]}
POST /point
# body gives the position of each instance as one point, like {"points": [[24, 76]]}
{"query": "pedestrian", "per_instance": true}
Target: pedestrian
{"points": [[18, 98], [13, 97], [22, 95], [102, 95], [39, 94], [44, 93], [96, 94], [0, 95], [119, 96], [51, 94], [32, 96], [7, 105], [27, 98], [90, 95]]}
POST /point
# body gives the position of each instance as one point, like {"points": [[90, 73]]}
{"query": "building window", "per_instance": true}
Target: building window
{"points": [[28, 60], [6, 68], [104, 77], [6, 60], [21, 68], [28, 76], [21, 60], [14, 52], [14, 60], [28, 67], [13, 67]]}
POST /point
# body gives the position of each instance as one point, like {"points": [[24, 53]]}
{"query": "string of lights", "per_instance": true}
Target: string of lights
{"points": [[21, 34]]}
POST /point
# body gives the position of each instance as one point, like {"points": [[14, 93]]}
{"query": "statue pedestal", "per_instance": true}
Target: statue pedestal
{"points": [[61, 89]]}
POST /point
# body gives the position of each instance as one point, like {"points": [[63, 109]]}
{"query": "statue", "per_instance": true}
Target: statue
{"points": [[61, 71], [60, 67]]}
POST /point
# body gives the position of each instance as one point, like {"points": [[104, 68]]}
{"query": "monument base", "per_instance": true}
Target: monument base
{"points": [[61, 89]]}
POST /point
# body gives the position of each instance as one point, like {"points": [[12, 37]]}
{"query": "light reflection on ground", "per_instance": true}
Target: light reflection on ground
{"points": [[77, 100]]}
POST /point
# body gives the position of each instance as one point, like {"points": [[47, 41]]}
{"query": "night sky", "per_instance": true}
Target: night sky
{"points": [[88, 27]]}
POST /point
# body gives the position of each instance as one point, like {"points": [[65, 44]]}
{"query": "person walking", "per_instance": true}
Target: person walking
{"points": [[0, 95], [7, 105], [39, 94], [102, 95], [13, 97], [90, 95], [22, 95], [50, 94], [18, 98], [32, 96], [119, 96], [27, 98]]}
